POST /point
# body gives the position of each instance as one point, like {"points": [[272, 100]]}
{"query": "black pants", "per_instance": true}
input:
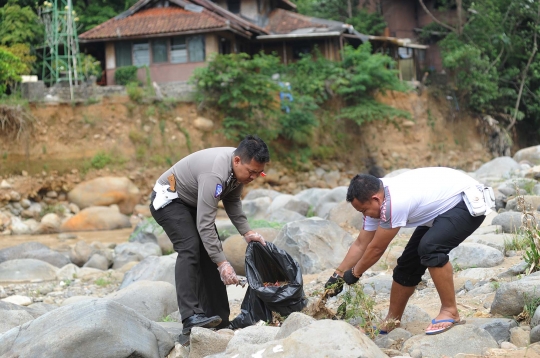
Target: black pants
{"points": [[429, 246], [199, 288]]}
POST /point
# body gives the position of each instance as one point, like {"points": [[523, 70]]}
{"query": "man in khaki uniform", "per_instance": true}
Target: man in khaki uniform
{"points": [[188, 213]]}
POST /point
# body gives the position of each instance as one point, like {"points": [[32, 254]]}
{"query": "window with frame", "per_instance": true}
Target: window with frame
{"points": [[233, 6], [196, 49], [122, 51], [141, 53], [159, 50], [178, 50]]}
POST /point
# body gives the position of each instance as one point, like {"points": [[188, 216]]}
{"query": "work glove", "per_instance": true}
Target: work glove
{"points": [[227, 274], [334, 285], [254, 236], [349, 278]]}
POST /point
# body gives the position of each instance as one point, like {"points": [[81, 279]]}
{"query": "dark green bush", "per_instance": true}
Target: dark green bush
{"points": [[125, 75]]}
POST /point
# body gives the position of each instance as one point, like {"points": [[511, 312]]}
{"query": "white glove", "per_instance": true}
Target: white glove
{"points": [[254, 236], [227, 274]]}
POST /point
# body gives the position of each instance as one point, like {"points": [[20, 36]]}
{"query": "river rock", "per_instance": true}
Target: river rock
{"points": [[152, 299], [98, 328], [315, 243], [312, 196], [324, 338], [294, 322], [262, 193], [257, 207], [205, 342], [34, 250], [96, 218], [344, 214], [461, 339], [530, 154], [50, 223], [498, 167], [510, 221], [510, 297], [499, 328], [475, 255], [13, 315], [152, 268], [26, 270], [105, 191], [134, 251]]}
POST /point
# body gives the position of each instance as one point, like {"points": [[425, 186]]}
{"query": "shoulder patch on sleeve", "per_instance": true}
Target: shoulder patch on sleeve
{"points": [[219, 189]]}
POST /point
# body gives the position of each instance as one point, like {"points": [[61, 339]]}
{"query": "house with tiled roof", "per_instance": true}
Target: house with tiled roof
{"points": [[173, 37]]}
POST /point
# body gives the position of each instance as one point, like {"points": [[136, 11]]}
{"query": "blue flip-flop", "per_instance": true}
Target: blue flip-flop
{"points": [[381, 331], [441, 330]]}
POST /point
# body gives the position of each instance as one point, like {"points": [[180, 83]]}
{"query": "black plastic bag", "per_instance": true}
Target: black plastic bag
{"points": [[269, 264]]}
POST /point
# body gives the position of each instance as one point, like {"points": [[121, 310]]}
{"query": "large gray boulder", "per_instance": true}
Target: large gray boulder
{"points": [[261, 193], [152, 268], [496, 241], [508, 188], [511, 297], [344, 214], [154, 300], [96, 218], [205, 342], [530, 154], [34, 250], [293, 323], [498, 167], [134, 251], [324, 338], [282, 215], [27, 270], [256, 208], [312, 196], [315, 243], [510, 221], [105, 191], [462, 339], [12, 315], [329, 200], [469, 255], [94, 329], [532, 200]]}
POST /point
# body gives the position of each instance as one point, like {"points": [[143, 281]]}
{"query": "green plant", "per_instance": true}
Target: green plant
{"points": [[531, 233], [67, 282], [356, 304], [92, 100], [52, 209], [186, 134], [162, 125], [100, 160], [102, 282], [495, 285], [311, 212], [168, 252], [11, 69], [532, 301], [135, 92], [126, 75], [260, 223], [168, 319], [518, 242], [150, 111]]}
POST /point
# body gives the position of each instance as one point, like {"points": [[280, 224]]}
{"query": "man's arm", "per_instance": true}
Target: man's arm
{"points": [[233, 206], [356, 251], [375, 249]]}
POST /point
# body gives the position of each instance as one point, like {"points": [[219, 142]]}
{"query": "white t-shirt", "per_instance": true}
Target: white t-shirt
{"points": [[417, 197]]}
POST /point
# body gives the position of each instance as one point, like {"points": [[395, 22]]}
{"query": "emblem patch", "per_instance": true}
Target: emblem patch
{"points": [[219, 189]]}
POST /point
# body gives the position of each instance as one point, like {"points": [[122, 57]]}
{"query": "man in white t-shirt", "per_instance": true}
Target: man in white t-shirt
{"points": [[429, 199]]}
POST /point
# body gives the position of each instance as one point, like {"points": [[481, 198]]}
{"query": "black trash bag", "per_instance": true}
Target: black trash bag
{"points": [[269, 264]]}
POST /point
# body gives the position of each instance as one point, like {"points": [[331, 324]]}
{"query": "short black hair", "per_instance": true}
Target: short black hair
{"points": [[363, 187], [253, 147]]}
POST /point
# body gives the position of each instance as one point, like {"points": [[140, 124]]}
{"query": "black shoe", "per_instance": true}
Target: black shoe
{"points": [[199, 320]]}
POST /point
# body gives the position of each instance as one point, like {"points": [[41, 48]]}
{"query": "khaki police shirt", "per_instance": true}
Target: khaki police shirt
{"points": [[202, 180]]}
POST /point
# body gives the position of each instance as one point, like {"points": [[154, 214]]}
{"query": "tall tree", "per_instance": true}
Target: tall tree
{"points": [[19, 25]]}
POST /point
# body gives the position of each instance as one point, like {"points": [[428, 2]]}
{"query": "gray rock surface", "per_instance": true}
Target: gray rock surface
{"points": [[97, 261], [496, 241], [344, 214], [499, 328], [100, 328], [510, 296], [535, 335], [312, 196], [530, 154], [152, 268], [294, 322], [475, 255], [34, 250], [256, 208], [316, 244], [12, 315], [283, 215], [464, 339], [498, 167], [261, 193], [27, 270], [134, 251], [154, 300], [205, 342], [510, 221]]}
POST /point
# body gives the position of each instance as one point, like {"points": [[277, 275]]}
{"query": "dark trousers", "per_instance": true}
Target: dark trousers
{"points": [[429, 246], [199, 288]]}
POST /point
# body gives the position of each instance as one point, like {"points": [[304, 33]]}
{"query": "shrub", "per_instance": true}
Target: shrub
{"points": [[125, 75], [135, 92], [100, 160]]}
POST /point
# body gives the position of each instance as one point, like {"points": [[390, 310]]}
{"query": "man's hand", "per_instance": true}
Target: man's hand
{"points": [[334, 285], [227, 274], [350, 278], [254, 236]]}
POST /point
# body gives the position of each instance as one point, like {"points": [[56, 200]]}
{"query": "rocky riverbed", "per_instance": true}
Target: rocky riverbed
{"points": [[73, 292]]}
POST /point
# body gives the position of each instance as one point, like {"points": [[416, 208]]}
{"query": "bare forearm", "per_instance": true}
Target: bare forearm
{"points": [[356, 251], [370, 258]]}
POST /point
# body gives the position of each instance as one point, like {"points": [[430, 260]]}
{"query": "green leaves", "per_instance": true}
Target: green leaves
{"points": [[19, 25], [11, 69]]}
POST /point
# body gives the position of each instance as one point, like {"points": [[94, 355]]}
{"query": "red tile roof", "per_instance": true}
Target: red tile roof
{"points": [[282, 22], [155, 21]]}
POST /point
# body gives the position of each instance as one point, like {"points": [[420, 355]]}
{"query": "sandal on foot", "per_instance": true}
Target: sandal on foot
{"points": [[441, 330]]}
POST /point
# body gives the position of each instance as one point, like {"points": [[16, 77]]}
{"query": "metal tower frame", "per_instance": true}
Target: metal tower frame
{"points": [[61, 45]]}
